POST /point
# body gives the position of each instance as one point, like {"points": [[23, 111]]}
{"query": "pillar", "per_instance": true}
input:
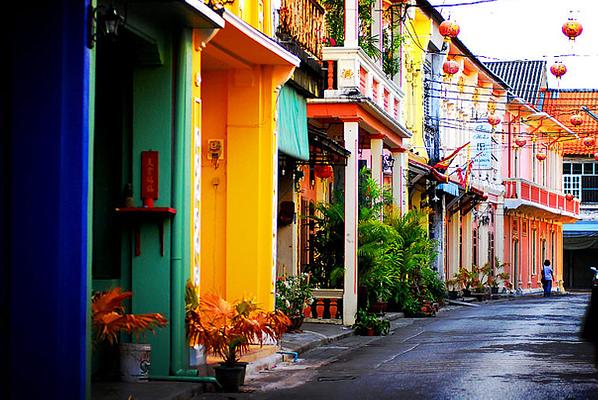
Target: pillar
{"points": [[376, 146], [351, 23], [351, 131], [399, 169], [499, 231], [377, 26]]}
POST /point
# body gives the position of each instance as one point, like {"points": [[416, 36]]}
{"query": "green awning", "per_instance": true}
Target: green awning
{"points": [[292, 124]]}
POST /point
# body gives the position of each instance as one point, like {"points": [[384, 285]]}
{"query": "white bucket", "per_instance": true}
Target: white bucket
{"points": [[135, 361]]}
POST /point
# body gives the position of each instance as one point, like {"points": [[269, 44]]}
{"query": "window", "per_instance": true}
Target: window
{"points": [[552, 244], [475, 246], [566, 168], [588, 168], [581, 180], [534, 256], [544, 168], [491, 255], [572, 184], [534, 164], [589, 189], [515, 264]]}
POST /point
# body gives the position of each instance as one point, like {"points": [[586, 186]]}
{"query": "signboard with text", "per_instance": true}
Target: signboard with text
{"points": [[482, 146], [149, 176]]}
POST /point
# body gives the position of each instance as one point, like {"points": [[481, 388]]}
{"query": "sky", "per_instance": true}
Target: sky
{"points": [[531, 30]]}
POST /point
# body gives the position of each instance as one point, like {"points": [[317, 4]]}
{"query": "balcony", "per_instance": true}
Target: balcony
{"points": [[302, 21], [536, 199], [352, 73]]}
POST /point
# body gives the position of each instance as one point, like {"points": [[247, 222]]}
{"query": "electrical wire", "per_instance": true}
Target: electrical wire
{"points": [[471, 3]]}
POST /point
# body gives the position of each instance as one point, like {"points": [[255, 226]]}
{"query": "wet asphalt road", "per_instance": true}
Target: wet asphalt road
{"points": [[528, 348]]}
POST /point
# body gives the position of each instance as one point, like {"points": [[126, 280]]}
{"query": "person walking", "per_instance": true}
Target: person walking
{"points": [[547, 278]]}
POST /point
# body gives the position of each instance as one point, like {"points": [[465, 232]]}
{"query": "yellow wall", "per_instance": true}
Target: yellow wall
{"points": [[257, 13], [413, 80], [238, 197]]}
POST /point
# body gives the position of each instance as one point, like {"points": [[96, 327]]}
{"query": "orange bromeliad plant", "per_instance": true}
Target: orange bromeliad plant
{"points": [[109, 317], [228, 330]]}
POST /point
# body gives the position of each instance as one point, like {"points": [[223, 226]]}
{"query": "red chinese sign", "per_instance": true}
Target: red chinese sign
{"points": [[149, 177]]}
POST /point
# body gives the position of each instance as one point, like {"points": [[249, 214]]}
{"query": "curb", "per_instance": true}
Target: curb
{"points": [[317, 343]]}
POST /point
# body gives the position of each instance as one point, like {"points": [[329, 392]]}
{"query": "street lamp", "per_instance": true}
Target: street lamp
{"points": [[387, 162], [103, 20]]}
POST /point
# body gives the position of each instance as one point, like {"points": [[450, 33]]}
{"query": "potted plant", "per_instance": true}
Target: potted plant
{"points": [[228, 329], [465, 279], [109, 320], [293, 295], [370, 324], [452, 285]]}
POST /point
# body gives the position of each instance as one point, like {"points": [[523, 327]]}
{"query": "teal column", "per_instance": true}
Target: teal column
{"points": [[153, 129], [181, 200]]}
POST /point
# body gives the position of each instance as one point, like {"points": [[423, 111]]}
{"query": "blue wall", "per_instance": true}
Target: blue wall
{"points": [[46, 222]]}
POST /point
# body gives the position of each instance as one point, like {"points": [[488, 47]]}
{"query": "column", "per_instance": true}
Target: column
{"points": [[377, 25], [376, 146], [399, 169], [351, 132], [351, 23], [499, 231]]}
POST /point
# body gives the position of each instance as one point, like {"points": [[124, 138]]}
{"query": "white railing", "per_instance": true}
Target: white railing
{"points": [[352, 72]]}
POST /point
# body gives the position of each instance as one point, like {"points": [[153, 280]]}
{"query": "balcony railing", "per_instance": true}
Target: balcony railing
{"points": [[327, 306], [529, 191], [303, 22], [351, 72]]}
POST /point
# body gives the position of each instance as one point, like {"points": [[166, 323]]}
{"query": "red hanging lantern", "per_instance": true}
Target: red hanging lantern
{"points": [[589, 141], [541, 156], [576, 119], [596, 156], [569, 196], [323, 171], [449, 30], [558, 69], [520, 141], [572, 29], [450, 67], [494, 119]]}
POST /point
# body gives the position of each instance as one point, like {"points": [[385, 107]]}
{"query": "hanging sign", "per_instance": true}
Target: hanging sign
{"points": [[482, 146], [149, 177]]}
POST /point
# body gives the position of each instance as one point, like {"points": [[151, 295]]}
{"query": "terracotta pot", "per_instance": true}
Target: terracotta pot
{"points": [[370, 332]]}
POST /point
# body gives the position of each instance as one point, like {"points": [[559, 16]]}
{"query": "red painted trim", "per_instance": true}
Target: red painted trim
{"points": [[350, 112]]}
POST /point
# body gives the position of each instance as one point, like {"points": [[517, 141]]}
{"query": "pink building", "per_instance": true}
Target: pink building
{"points": [[534, 207]]}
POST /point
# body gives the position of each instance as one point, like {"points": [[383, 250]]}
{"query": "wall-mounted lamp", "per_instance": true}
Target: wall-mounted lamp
{"points": [[103, 20], [387, 162]]}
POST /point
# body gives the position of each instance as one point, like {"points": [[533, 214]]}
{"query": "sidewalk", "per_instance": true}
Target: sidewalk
{"points": [[310, 336], [293, 344]]}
